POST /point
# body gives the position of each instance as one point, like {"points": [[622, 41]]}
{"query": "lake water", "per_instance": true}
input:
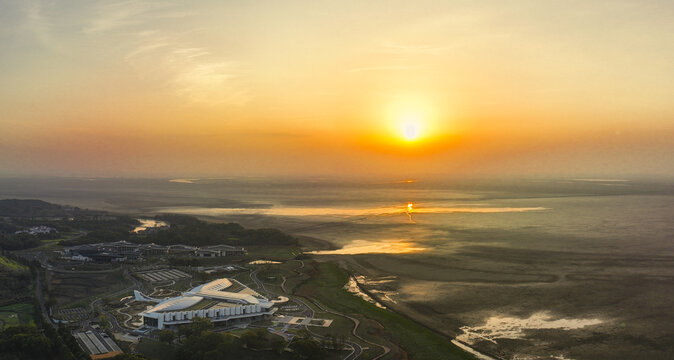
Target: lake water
{"points": [[570, 268]]}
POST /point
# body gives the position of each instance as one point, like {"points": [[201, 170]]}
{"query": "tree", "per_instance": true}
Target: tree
{"points": [[130, 357], [277, 344], [208, 346], [307, 349], [304, 334], [254, 339], [166, 336], [105, 323], [196, 327]]}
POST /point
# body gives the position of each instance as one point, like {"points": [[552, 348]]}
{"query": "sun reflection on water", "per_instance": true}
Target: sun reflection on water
{"points": [[374, 247]]}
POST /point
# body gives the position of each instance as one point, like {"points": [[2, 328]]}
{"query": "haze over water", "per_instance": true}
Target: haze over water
{"points": [[255, 112], [535, 256]]}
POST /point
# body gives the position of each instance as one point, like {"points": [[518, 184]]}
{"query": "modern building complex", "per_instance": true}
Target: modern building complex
{"points": [[123, 250], [219, 250], [222, 301]]}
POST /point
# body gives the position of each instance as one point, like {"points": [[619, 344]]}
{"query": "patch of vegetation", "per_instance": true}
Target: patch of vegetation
{"points": [[73, 288], [326, 286], [19, 241], [46, 343], [22, 214], [11, 265], [189, 230], [198, 342], [31, 209], [154, 349], [16, 314], [277, 253], [15, 280], [101, 230]]}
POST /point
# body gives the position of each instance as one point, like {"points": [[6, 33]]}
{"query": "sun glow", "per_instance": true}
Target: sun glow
{"points": [[411, 118], [411, 125], [411, 131]]}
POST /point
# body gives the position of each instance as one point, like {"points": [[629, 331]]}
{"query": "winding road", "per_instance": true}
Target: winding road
{"points": [[357, 350]]}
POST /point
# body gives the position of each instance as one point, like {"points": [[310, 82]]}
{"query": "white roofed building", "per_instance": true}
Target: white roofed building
{"points": [[222, 301]]}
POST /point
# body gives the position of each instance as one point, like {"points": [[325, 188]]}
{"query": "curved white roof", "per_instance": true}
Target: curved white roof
{"points": [[216, 289], [218, 285], [176, 303]]}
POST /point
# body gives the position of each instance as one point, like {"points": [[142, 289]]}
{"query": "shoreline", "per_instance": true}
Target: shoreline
{"points": [[463, 346]]}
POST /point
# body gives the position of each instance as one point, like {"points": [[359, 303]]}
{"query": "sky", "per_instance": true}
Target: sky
{"points": [[336, 88]]}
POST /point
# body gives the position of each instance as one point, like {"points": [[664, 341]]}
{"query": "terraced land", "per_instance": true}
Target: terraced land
{"points": [[71, 287]]}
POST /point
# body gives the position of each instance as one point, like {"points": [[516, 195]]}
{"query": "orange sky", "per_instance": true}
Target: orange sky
{"points": [[207, 88]]}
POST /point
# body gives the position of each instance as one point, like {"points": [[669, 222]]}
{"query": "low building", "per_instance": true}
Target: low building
{"points": [[98, 344], [153, 249], [122, 247], [181, 250], [220, 250], [80, 258], [129, 250], [223, 301], [38, 230]]}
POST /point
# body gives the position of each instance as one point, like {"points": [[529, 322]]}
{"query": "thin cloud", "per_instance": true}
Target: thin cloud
{"points": [[405, 49], [171, 58], [190, 71], [118, 15], [41, 27], [385, 68]]}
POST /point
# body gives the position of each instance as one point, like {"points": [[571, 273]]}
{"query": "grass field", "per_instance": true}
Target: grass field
{"points": [[157, 350], [278, 253], [418, 341], [16, 314], [11, 264], [71, 288], [63, 236]]}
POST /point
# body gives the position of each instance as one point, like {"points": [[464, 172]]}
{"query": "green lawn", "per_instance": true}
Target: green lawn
{"points": [[277, 253], [16, 314], [155, 349], [418, 341], [11, 264]]}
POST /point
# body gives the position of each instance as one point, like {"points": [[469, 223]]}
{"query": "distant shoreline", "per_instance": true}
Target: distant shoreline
{"points": [[465, 347]]}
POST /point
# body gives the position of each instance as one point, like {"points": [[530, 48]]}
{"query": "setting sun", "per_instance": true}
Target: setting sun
{"points": [[412, 125], [411, 131]]}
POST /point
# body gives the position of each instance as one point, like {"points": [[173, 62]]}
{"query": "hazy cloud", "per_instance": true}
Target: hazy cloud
{"points": [[406, 49], [115, 15], [385, 68]]}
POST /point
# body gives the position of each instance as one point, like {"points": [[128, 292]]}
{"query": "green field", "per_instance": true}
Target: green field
{"points": [[277, 253], [11, 264], [78, 288], [16, 314], [418, 341]]}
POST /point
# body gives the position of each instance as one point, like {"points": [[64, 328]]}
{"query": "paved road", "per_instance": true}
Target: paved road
{"points": [[113, 320], [356, 323], [40, 295], [357, 350]]}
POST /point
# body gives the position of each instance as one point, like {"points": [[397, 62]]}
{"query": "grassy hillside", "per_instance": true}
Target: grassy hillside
{"points": [[326, 285]]}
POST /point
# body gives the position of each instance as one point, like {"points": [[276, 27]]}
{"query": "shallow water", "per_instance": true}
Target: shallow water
{"points": [[511, 327], [467, 254], [353, 287], [147, 224], [373, 247], [263, 262]]}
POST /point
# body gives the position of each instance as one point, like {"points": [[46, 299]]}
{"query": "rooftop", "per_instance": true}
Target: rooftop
{"points": [[220, 293]]}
